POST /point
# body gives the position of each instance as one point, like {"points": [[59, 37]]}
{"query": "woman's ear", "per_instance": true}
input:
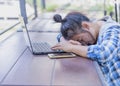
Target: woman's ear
{"points": [[85, 25]]}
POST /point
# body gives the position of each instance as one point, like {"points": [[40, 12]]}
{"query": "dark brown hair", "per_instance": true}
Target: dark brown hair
{"points": [[71, 24]]}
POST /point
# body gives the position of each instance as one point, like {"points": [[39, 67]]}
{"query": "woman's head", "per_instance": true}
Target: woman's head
{"points": [[71, 24]]}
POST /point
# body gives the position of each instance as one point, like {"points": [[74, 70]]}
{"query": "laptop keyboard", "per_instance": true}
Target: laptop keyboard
{"points": [[41, 47]]}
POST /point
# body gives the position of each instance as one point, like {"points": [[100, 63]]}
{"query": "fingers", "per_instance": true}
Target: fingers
{"points": [[57, 46], [60, 45]]}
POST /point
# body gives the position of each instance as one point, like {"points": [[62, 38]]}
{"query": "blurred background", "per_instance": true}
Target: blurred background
{"points": [[94, 9]]}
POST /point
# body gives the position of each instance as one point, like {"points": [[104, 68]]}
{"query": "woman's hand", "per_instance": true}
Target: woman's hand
{"points": [[66, 45]]}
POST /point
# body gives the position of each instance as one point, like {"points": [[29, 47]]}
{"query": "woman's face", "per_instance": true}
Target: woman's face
{"points": [[85, 38]]}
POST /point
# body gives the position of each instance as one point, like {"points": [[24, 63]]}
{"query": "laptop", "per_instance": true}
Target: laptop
{"points": [[37, 48]]}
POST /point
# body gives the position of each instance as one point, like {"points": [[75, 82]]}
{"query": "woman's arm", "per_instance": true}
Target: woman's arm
{"points": [[72, 46]]}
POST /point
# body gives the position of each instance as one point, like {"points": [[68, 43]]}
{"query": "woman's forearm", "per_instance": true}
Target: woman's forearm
{"points": [[80, 50]]}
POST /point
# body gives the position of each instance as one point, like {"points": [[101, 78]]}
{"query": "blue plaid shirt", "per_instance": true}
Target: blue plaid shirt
{"points": [[107, 52]]}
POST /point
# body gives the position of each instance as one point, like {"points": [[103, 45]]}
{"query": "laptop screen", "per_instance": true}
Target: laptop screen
{"points": [[26, 33], [37, 47]]}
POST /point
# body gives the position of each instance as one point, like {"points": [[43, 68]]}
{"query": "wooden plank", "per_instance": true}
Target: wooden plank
{"points": [[40, 70], [100, 74], [10, 50], [44, 25], [75, 72], [31, 70]]}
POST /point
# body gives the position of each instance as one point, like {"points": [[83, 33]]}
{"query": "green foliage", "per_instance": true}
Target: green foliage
{"points": [[30, 2], [110, 8], [51, 7], [96, 7]]}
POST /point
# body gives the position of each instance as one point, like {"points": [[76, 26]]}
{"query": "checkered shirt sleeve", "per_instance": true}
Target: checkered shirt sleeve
{"points": [[107, 53]]}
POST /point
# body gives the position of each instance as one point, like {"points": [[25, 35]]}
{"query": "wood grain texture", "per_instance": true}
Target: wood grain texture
{"points": [[75, 72], [31, 70], [22, 68], [10, 51]]}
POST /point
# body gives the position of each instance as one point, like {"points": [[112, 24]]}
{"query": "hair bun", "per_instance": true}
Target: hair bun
{"points": [[57, 18]]}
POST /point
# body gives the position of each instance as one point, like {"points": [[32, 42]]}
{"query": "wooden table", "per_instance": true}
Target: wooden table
{"points": [[18, 66]]}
